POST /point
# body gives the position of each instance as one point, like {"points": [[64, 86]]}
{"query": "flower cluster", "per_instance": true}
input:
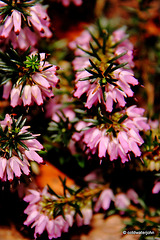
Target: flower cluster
{"points": [[41, 217], [55, 214], [114, 44], [44, 213], [30, 79], [17, 148], [18, 17], [118, 135], [121, 200], [104, 66], [104, 92]]}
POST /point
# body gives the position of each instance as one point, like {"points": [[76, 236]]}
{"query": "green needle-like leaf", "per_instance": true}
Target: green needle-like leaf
{"points": [[117, 57], [10, 152], [95, 39], [105, 38], [19, 154], [108, 69], [119, 66], [90, 53], [94, 52], [92, 72], [23, 145], [51, 191], [96, 68]]}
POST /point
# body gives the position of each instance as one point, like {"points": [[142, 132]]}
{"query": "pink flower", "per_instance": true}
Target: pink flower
{"points": [[7, 89], [124, 46], [67, 2], [7, 122], [136, 119], [87, 216], [3, 164], [17, 162], [104, 200], [32, 217], [14, 96], [121, 201], [24, 40], [13, 167], [83, 41], [36, 95], [53, 229], [40, 214], [40, 20], [154, 124], [156, 188], [7, 27], [132, 195], [40, 225], [56, 108], [81, 63], [15, 27], [125, 77], [33, 197]]}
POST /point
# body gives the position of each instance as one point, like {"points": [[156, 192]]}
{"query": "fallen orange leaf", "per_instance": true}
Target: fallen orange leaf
{"points": [[49, 174]]}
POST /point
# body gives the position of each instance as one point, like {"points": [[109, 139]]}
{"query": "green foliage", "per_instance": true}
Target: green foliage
{"points": [[74, 198], [62, 130], [32, 62]]}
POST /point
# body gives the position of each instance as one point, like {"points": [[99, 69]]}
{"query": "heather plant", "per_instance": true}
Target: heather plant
{"points": [[99, 124], [106, 82], [95, 125]]}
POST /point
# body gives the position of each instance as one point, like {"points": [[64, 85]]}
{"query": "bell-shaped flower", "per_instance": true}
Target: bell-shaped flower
{"points": [[22, 20], [104, 200], [21, 148]]}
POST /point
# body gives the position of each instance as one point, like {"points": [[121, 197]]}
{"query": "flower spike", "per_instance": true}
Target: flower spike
{"points": [[104, 66]]}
